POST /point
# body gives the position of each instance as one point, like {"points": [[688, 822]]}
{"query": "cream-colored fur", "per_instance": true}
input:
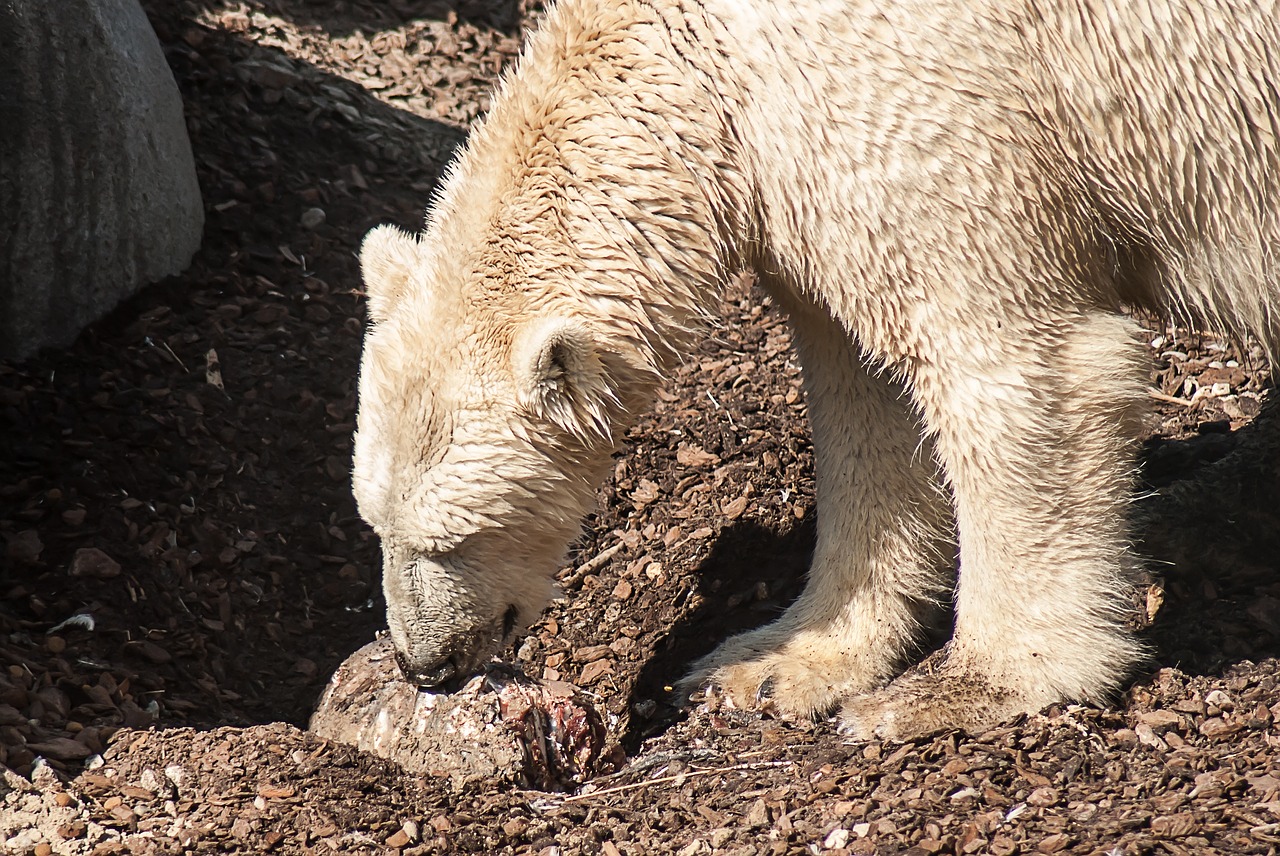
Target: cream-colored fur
{"points": [[953, 198]]}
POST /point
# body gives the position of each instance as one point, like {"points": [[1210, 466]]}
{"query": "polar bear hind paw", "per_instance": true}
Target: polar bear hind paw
{"points": [[935, 696]]}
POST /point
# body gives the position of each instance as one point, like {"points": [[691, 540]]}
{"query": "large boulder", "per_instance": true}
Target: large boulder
{"points": [[98, 191]]}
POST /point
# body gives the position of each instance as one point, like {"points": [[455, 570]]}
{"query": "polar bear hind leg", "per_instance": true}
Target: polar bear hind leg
{"points": [[1035, 438]]}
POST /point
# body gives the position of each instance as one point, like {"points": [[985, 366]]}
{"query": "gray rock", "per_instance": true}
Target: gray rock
{"points": [[98, 192]]}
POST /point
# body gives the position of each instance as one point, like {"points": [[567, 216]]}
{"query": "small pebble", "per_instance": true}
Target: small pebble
{"points": [[313, 218], [838, 837]]}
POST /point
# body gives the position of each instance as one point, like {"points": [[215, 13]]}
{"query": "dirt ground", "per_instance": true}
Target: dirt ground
{"points": [[183, 566]]}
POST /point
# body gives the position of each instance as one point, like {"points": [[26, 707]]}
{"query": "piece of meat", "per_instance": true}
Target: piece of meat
{"points": [[500, 726]]}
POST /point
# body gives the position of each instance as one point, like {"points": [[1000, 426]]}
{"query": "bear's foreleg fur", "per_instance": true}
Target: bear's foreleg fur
{"points": [[884, 549]]}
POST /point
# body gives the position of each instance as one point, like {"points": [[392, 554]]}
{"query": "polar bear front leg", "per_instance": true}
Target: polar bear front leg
{"points": [[1035, 432], [884, 548]]}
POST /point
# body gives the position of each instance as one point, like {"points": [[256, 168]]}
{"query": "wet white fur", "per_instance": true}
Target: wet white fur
{"points": [[953, 198]]}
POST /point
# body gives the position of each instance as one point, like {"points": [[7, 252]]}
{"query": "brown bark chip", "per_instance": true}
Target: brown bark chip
{"points": [[92, 562]]}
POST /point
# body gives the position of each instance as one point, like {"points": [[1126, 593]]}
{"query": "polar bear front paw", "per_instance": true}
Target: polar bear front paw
{"points": [[789, 675], [934, 696]]}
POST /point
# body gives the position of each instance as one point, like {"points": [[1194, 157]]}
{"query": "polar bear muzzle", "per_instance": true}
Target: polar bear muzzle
{"points": [[446, 620], [447, 663]]}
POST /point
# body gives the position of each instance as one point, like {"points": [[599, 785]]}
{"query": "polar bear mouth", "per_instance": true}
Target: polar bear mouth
{"points": [[463, 657], [431, 677]]}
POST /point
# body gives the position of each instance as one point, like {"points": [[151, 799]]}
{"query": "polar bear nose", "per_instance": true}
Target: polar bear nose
{"points": [[432, 676]]}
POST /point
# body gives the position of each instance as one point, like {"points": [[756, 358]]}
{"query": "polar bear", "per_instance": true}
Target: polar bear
{"points": [[954, 200]]}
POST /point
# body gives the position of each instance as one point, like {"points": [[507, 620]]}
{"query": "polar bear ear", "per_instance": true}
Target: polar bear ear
{"points": [[561, 377], [388, 259]]}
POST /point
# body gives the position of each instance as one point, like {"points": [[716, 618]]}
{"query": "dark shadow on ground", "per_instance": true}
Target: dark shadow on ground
{"points": [[1213, 533], [243, 574], [751, 576]]}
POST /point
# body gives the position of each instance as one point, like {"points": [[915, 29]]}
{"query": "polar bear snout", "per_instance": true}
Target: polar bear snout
{"points": [[448, 664], [437, 675], [447, 620], [444, 657]]}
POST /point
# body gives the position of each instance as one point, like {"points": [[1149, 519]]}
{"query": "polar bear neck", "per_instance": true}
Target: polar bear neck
{"points": [[600, 184]]}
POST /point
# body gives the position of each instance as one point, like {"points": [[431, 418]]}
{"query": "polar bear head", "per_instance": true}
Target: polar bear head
{"points": [[487, 416]]}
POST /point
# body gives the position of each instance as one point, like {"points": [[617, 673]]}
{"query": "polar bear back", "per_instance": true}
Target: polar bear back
{"points": [[1127, 152]]}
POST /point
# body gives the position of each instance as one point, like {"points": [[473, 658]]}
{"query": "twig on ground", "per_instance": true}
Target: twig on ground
{"points": [[593, 564], [661, 780], [1170, 399]]}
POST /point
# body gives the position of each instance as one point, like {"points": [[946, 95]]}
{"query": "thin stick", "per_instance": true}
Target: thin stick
{"points": [[593, 564], [672, 778], [176, 357], [1170, 399]]}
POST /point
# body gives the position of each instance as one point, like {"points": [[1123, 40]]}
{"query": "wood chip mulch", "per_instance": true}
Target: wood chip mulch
{"points": [[183, 566]]}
